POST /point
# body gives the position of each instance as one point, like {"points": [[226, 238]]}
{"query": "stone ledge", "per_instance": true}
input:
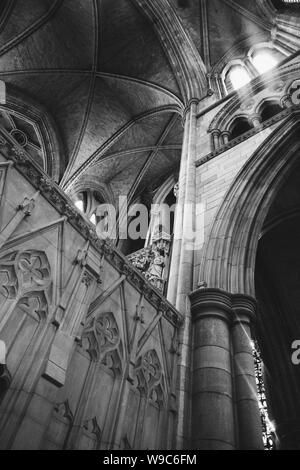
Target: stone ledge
{"points": [[60, 201]]}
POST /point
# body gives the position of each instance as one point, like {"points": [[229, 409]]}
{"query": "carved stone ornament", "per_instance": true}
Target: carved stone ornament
{"points": [[149, 378], [101, 338], [24, 272]]}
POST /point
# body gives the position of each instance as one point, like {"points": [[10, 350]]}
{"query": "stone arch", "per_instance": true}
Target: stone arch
{"points": [[273, 99], [228, 113], [234, 63], [230, 252], [91, 183], [164, 190], [239, 125]]}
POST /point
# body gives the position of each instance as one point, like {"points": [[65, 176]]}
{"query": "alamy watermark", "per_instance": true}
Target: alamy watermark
{"points": [[295, 92], [296, 353], [139, 222], [2, 92]]}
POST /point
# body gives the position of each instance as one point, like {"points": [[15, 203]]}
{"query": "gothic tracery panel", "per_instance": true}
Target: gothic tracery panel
{"points": [[149, 377], [25, 133], [101, 338], [23, 272]]}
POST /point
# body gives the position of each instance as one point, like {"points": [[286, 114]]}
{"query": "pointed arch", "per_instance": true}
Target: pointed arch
{"points": [[29, 113], [230, 253]]}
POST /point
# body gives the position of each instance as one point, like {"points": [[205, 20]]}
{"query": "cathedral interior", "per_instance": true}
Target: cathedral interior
{"points": [[162, 341]]}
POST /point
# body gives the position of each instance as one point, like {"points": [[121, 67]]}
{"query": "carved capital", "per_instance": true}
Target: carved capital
{"points": [[244, 308], [224, 305], [211, 302]]}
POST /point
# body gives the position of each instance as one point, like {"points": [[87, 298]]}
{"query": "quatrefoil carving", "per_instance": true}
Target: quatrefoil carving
{"points": [[25, 271]]}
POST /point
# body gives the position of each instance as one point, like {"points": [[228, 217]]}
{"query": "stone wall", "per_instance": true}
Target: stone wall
{"points": [[217, 170], [91, 347]]}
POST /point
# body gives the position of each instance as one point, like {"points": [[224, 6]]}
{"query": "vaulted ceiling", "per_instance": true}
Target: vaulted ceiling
{"points": [[109, 75]]}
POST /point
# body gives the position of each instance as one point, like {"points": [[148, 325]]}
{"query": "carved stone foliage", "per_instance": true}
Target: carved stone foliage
{"points": [[101, 338], [151, 261], [55, 197], [24, 272], [141, 259], [149, 378]]}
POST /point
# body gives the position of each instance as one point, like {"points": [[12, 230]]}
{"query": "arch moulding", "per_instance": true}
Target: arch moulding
{"points": [[230, 252]]}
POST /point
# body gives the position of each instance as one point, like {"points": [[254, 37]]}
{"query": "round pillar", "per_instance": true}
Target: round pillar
{"points": [[215, 134], [252, 70], [256, 120], [181, 270], [213, 426], [249, 420], [225, 137], [225, 411]]}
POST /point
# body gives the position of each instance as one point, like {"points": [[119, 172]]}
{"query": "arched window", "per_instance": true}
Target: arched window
{"points": [[30, 136], [239, 127], [235, 75], [87, 202], [264, 60], [238, 77], [269, 109]]}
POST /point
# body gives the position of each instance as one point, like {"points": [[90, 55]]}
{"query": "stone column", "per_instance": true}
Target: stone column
{"points": [[174, 268], [220, 85], [215, 135], [250, 426], [250, 67], [256, 120], [212, 402], [225, 137], [184, 221], [280, 43], [225, 413], [188, 215], [180, 280]]}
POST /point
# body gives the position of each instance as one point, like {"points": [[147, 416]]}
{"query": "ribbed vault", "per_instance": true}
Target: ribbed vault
{"points": [[115, 76]]}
